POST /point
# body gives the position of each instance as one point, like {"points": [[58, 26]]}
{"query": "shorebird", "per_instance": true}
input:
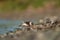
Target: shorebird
{"points": [[54, 21], [51, 22], [27, 23], [26, 26]]}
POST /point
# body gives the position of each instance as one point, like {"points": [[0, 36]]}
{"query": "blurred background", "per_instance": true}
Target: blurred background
{"points": [[14, 12], [28, 9]]}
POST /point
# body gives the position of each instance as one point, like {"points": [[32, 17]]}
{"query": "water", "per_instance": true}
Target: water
{"points": [[7, 25], [10, 25]]}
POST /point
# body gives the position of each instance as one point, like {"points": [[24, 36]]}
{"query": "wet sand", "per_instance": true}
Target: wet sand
{"points": [[40, 35]]}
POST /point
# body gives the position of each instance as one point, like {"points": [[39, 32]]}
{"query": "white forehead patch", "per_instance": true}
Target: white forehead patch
{"points": [[24, 24]]}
